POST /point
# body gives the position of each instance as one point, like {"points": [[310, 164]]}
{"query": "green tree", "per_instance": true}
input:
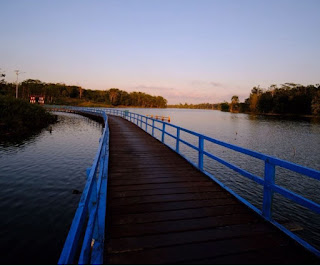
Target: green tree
{"points": [[265, 102], [315, 104], [114, 95], [224, 107], [254, 98], [234, 106]]}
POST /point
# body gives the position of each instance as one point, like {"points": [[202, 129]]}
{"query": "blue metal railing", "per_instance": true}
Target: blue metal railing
{"points": [[91, 210], [268, 181]]}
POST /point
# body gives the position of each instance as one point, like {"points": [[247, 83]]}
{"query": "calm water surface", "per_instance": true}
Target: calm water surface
{"points": [[38, 176], [36, 179]]}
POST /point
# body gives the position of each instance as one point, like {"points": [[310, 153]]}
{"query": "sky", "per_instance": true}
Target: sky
{"points": [[191, 51]]}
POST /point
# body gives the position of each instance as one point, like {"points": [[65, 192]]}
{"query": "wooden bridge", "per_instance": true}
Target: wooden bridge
{"points": [[163, 210]]}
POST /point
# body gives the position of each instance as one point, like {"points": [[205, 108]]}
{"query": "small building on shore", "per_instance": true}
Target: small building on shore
{"points": [[37, 99]]}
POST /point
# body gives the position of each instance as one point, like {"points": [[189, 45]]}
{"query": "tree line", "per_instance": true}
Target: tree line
{"points": [[58, 93], [288, 98]]}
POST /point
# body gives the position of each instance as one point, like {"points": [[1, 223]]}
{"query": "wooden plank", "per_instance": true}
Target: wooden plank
{"points": [[210, 249], [160, 186], [180, 225], [169, 197], [127, 244], [140, 181], [156, 175], [179, 214], [178, 205], [163, 191]]}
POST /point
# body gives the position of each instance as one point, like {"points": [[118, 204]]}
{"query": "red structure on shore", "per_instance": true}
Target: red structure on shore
{"points": [[37, 99]]}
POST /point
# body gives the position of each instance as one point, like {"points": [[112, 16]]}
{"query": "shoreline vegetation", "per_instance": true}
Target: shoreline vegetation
{"points": [[289, 99], [20, 119], [62, 94]]}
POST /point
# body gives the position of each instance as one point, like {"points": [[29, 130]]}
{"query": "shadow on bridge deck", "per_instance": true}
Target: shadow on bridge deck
{"points": [[161, 210]]}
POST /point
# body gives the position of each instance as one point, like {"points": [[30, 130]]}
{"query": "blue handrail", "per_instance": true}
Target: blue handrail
{"points": [[93, 205], [268, 181]]}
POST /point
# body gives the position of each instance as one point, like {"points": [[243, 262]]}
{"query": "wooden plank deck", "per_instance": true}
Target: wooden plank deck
{"points": [[162, 210]]}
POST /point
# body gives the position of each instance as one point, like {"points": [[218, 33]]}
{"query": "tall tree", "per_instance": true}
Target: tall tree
{"points": [[254, 97], [234, 107], [114, 96]]}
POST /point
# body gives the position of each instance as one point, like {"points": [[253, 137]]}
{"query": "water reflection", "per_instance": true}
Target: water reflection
{"points": [[37, 178]]}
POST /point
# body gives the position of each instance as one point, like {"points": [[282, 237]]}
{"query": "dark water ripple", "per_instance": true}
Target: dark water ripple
{"points": [[36, 179]]}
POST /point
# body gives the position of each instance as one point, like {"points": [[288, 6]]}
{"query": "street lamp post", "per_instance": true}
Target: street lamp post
{"points": [[17, 84]]}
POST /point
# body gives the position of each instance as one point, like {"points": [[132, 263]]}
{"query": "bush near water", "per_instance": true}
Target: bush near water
{"points": [[20, 118]]}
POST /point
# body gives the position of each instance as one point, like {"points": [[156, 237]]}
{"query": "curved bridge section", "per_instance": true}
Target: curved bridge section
{"points": [[164, 209]]}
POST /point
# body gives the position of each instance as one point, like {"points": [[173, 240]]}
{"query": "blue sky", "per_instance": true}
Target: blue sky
{"points": [[187, 51]]}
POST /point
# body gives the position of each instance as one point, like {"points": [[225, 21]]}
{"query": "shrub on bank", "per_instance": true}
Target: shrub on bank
{"points": [[20, 118]]}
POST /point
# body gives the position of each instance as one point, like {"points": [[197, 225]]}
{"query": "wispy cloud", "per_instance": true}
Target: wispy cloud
{"points": [[206, 85], [194, 92], [151, 88]]}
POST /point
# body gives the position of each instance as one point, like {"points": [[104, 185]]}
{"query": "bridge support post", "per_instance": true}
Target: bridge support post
{"points": [[269, 174]]}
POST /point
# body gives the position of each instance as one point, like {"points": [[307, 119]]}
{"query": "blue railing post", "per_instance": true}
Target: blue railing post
{"points": [[269, 174], [200, 154], [147, 124], [88, 171], [178, 141], [152, 127], [163, 130]]}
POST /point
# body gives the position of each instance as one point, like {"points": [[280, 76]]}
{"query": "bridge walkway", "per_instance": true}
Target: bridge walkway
{"points": [[162, 210]]}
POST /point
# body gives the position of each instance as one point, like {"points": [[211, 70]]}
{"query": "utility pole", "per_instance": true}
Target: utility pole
{"points": [[17, 84]]}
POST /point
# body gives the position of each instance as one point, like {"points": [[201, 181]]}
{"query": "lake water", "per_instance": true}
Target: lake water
{"points": [[37, 176]]}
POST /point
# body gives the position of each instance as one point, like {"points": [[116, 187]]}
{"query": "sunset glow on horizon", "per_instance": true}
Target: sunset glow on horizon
{"points": [[184, 50]]}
